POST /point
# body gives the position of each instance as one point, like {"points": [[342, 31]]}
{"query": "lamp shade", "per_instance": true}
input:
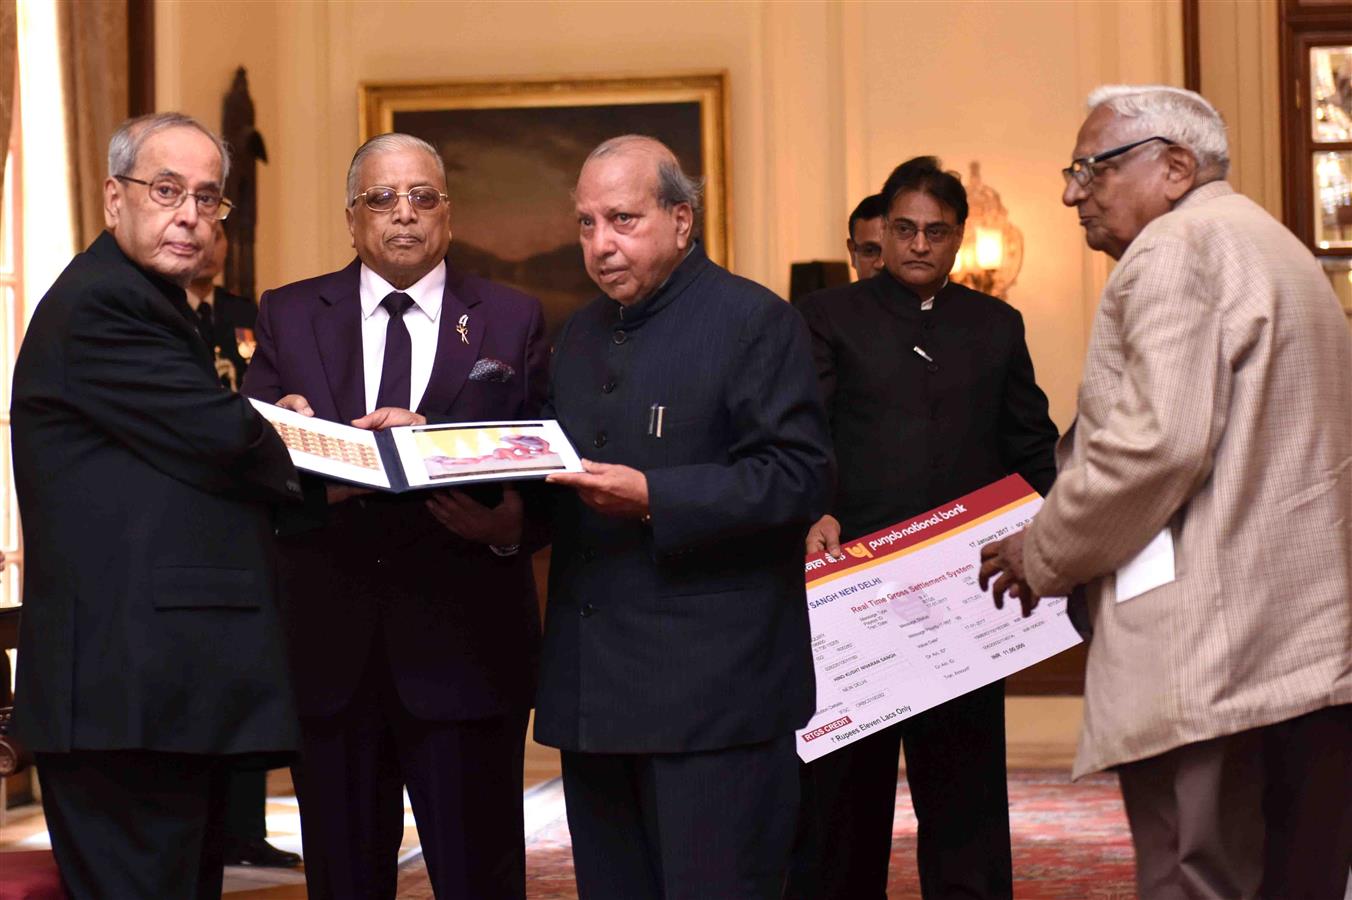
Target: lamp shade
{"points": [[992, 248]]}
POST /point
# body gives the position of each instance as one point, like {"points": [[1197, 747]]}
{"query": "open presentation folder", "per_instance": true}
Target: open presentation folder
{"points": [[900, 624], [423, 456]]}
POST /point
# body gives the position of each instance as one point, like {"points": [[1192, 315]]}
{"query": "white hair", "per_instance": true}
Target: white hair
{"points": [[1184, 117], [385, 143], [674, 187], [131, 135]]}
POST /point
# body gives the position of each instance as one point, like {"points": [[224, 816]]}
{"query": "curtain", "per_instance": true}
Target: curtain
{"points": [[9, 68], [93, 41]]}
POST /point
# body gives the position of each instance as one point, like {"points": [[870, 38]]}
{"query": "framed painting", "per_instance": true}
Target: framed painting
{"points": [[513, 150]]}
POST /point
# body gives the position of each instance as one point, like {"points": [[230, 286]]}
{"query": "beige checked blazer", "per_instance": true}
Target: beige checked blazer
{"points": [[1216, 401]]}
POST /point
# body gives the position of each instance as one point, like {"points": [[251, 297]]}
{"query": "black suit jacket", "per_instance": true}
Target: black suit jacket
{"points": [[150, 617], [692, 633], [913, 433], [461, 624]]}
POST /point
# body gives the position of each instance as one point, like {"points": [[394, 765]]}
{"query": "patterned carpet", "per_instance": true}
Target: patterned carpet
{"points": [[1070, 843]]}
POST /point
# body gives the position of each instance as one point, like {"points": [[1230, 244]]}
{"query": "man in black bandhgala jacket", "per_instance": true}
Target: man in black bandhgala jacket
{"points": [[677, 660], [150, 652], [931, 395]]}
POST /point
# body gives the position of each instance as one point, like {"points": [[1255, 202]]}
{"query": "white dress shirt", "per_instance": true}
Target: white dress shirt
{"points": [[421, 321]]}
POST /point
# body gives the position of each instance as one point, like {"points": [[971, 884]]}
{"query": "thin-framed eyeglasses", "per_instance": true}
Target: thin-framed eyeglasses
{"points": [[1082, 170], [384, 199], [169, 193], [935, 232]]}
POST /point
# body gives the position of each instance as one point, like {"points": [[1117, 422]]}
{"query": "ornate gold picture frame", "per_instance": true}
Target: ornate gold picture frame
{"points": [[513, 150]]}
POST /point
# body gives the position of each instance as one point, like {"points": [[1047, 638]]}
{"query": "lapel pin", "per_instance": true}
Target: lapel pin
{"points": [[463, 328]]}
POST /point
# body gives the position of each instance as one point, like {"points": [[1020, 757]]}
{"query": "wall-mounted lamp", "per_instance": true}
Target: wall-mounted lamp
{"points": [[992, 248]]}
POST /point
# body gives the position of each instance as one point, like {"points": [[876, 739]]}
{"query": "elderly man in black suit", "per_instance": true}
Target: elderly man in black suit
{"points": [[931, 395], [151, 656], [677, 660]]}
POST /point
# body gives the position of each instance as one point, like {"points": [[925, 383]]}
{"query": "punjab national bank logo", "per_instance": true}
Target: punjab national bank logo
{"points": [[859, 551], [826, 729]]}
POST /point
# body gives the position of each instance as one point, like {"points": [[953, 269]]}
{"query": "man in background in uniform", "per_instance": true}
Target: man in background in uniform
{"points": [[413, 621], [931, 395], [225, 322], [677, 660], [1213, 430], [151, 655]]}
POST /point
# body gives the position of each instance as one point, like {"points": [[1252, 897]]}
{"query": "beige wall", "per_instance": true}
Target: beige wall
{"points": [[1239, 69], [826, 98]]}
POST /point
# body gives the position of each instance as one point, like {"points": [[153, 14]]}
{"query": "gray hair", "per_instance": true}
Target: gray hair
{"points": [[125, 144], [674, 187], [385, 143], [1184, 117]]}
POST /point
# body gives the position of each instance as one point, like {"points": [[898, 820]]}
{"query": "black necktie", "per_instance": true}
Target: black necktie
{"points": [[204, 325], [396, 373]]}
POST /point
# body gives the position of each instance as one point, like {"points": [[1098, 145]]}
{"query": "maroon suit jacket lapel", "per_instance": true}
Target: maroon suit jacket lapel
{"points": [[337, 325], [455, 357]]}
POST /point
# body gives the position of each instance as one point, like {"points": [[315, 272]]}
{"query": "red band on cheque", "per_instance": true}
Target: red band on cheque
{"points": [[880, 545]]}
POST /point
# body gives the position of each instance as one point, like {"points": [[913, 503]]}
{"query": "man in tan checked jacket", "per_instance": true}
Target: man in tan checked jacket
{"points": [[1216, 404]]}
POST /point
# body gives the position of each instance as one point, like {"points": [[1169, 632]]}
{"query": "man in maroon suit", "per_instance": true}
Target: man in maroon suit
{"points": [[413, 623]]}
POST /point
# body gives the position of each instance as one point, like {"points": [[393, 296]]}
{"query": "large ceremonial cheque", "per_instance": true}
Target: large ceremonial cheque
{"points": [[423, 456], [900, 624]]}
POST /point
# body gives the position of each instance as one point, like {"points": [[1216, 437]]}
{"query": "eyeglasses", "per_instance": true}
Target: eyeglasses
{"points": [[384, 199], [1082, 170], [169, 193], [935, 233]]}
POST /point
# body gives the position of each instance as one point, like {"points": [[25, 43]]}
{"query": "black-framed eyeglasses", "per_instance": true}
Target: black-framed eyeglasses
{"points": [[384, 199], [169, 193], [935, 232], [1082, 170]]}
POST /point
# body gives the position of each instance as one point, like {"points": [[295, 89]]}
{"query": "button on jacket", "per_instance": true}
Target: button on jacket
{"points": [[925, 405]]}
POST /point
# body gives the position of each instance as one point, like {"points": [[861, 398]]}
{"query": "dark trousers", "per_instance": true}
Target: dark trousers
{"points": [[463, 778], [1263, 813], [246, 799], [955, 766], [682, 826], [135, 824]]}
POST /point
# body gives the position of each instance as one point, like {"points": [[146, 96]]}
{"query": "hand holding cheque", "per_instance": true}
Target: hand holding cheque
{"points": [[1003, 561], [901, 625]]}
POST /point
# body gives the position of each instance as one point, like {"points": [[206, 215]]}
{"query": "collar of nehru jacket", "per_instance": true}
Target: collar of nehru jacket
{"points": [[894, 291], [105, 247], [630, 317]]}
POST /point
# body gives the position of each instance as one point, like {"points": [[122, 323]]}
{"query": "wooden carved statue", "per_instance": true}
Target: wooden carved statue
{"points": [[241, 187]]}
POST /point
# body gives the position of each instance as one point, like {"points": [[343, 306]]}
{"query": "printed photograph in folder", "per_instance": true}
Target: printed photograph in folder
{"points": [[423, 456], [900, 624]]}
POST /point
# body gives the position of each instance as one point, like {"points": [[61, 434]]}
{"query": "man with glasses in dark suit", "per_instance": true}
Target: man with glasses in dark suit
{"points": [[151, 660], [865, 243], [414, 624], [931, 395]]}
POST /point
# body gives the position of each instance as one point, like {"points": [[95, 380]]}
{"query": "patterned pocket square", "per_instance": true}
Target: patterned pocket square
{"points": [[491, 370]]}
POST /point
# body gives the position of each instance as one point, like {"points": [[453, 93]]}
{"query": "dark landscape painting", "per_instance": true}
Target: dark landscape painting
{"points": [[511, 172]]}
